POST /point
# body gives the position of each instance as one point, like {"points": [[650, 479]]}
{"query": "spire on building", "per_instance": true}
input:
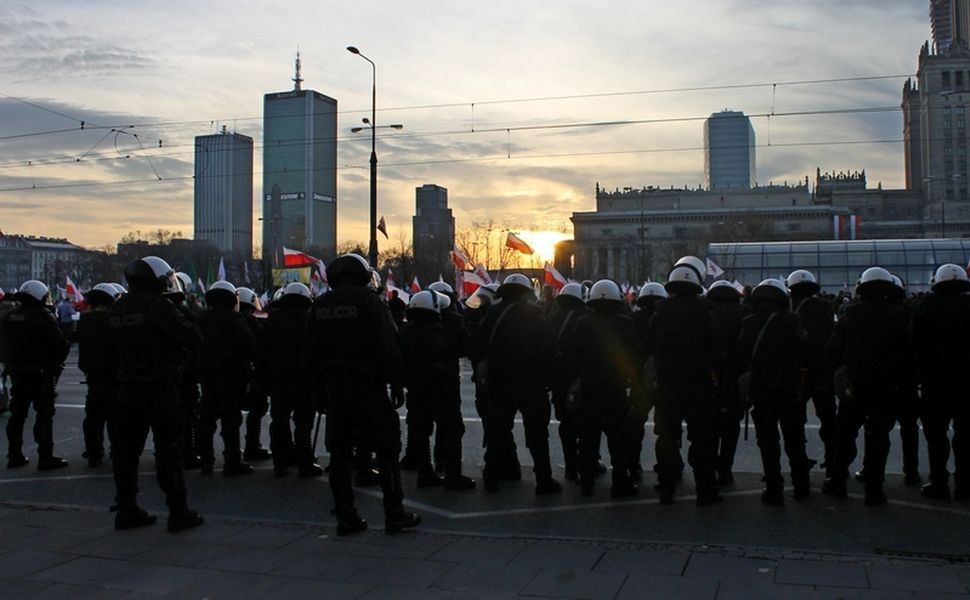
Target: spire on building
{"points": [[299, 68]]}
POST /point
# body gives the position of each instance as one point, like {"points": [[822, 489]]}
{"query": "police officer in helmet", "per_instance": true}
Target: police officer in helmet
{"points": [[34, 352], [151, 338], [352, 348]]}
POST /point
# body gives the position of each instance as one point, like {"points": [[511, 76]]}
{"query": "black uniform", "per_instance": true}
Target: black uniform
{"points": [[817, 318], [683, 342], [34, 353], [351, 348], [727, 368], [226, 369], [563, 322], [776, 371], [872, 342], [638, 423], [941, 334], [609, 361], [152, 338], [285, 346], [521, 360], [99, 363], [189, 395], [257, 398]]}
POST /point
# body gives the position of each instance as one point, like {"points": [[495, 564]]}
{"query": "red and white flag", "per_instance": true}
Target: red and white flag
{"points": [[460, 259], [72, 290], [415, 286], [554, 277], [471, 281], [516, 243], [293, 259], [483, 274], [713, 270], [382, 227]]}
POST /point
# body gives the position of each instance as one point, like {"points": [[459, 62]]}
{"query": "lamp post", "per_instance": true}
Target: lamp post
{"points": [[929, 197], [372, 123]]}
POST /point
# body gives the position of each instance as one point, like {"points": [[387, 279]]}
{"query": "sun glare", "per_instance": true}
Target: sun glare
{"points": [[543, 242]]}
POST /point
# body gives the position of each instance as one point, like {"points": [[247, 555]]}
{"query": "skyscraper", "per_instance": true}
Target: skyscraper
{"points": [[299, 172], [224, 192], [729, 152], [433, 231], [949, 22]]}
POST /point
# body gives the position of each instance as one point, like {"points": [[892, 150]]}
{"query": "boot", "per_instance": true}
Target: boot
{"points": [[133, 517], [237, 468], [725, 478], [624, 489], [802, 484], [458, 482], [398, 520], [936, 491], [547, 486], [665, 494], [256, 453], [428, 478], [773, 496], [182, 519], [349, 523], [835, 486], [16, 461], [50, 463], [708, 497]]}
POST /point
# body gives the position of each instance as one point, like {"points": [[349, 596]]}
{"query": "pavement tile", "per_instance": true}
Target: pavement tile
{"points": [[85, 571], [11, 530], [56, 539], [938, 596], [264, 537], [230, 586], [60, 591], [739, 590], [648, 587], [116, 545], [393, 592], [479, 551], [828, 593], [575, 584], [380, 545], [821, 573], [552, 556], [315, 588], [402, 572], [471, 577], [21, 588], [74, 520], [155, 579], [328, 567], [729, 568], [963, 571], [942, 578], [179, 555], [249, 560], [27, 562], [647, 562]]}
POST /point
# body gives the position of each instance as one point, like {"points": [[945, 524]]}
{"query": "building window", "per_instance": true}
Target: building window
{"points": [[963, 151], [946, 78], [960, 110], [961, 124], [948, 151], [946, 111], [947, 124], [959, 78]]}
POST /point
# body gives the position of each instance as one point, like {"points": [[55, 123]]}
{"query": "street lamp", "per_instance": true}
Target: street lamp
{"points": [[372, 123]]}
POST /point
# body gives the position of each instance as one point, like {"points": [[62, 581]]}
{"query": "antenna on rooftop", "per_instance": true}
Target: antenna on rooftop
{"points": [[299, 67]]}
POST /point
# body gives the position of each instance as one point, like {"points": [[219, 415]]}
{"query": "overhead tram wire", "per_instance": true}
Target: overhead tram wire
{"points": [[703, 88], [495, 158], [498, 129]]}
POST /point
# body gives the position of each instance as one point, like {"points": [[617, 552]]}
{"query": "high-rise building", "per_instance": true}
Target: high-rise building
{"points": [[299, 172], [729, 152], [949, 22], [433, 231], [224, 192]]}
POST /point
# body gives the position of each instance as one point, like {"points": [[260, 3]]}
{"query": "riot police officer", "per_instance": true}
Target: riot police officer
{"points": [[941, 332], [647, 298], [99, 363], [226, 369], [772, 345], [817, 318], [519, 353], [34, 353], [352, 349], [609, 361], [151, 337], [570, 309], [728, 314], [188, 384], [871, 342], [682, 340], [256, 400], [285, 332]]}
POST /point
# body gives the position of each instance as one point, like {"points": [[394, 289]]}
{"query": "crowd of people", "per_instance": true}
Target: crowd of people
{"points": [[700, 360]]}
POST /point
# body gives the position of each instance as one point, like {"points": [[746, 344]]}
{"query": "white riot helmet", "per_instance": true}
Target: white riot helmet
{"points": [[572, 290], [515, 285], [278, 294], [684, 280], [185, 280], [772, 291], [35, 291], [120, 289], [950, 277], [604, 290], [442, 287], [103, 294], [248, 297], [801, 277], [444, 301], [428, 300], [154, 273], [652, 289], [723, 290], [876, 280], [695, 263], [483, 296], [222, 293], [297, 289]]}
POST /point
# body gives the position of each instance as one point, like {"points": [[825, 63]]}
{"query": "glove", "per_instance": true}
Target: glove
{"points": [[397, 396]]}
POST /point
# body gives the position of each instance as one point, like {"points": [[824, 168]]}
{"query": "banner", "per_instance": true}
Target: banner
{"points": [[554, 277], [516, 243], [282, 277], [295, 259], [460, 259]]}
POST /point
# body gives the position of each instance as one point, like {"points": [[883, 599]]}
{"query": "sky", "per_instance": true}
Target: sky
{"points": [[474, 84]]}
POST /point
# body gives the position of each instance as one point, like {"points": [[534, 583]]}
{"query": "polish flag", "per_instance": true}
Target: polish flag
{"points": [[713, 269], [460, 259], [516, 243], [471, 281], [554, 277], [483, 274], [415, 286], [294, 259], [72, 290]]}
